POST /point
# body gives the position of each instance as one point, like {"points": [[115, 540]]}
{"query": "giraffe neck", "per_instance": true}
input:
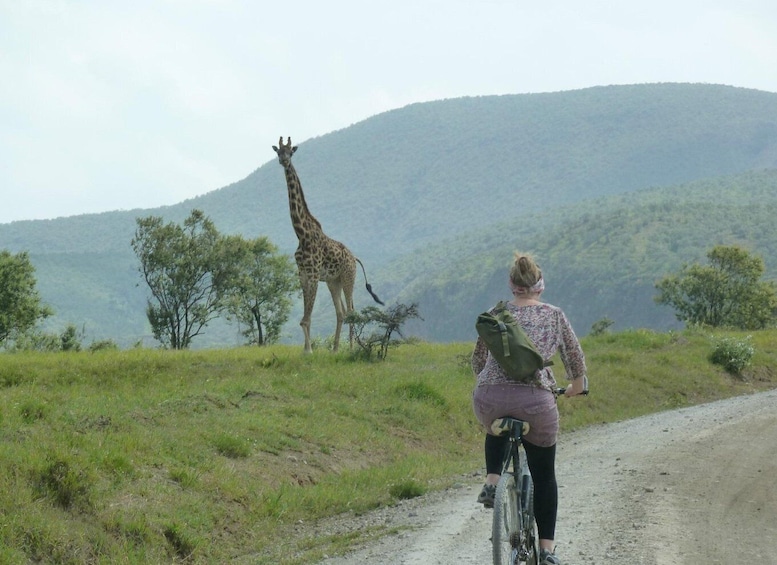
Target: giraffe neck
{"points": [[304, 223]]}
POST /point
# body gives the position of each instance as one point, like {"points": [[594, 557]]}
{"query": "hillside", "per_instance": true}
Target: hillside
{"points": [[441, 173], [600, 259]]}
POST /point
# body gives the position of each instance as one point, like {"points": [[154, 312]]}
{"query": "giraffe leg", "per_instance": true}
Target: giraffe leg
{"points": [[337, 299], [309, 290], [348, 292]]}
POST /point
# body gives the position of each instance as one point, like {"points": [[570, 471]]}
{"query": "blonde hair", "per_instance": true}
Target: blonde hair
{"points": [[525, 272]]}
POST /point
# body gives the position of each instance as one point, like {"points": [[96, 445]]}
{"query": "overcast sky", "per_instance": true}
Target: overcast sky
{"points": [[117, 104]]}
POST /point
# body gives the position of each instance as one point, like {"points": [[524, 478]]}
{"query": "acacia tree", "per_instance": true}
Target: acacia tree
{"points": [[258, 294], [389, 322], [182, 266], [20, 303], [727, 292]]}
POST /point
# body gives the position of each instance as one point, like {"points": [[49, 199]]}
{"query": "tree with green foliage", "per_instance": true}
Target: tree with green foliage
{"points": [[258, 294], [70, 340], [727, 292], [183, 266], [20, 304], [389, 322]]}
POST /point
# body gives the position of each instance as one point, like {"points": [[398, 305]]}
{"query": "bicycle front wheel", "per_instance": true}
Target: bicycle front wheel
{"points": [[505, 531]]}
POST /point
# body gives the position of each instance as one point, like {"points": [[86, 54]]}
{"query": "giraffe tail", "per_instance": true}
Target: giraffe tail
{"points": [[369, 286]]}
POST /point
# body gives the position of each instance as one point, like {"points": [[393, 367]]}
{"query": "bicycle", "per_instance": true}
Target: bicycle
{"points": [[514, 536]]}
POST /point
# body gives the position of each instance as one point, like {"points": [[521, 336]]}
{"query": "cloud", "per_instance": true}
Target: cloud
{"points": [[114, 105]]}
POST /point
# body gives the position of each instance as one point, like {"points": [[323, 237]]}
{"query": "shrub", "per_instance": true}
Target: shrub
{"points": [[69, 339], [35, 340], [389, 322], [407, 490], [103, 345], [602, 326], [733, 354]]}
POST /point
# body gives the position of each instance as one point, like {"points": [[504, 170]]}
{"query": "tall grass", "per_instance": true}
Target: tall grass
{"points": [[148, 456]]}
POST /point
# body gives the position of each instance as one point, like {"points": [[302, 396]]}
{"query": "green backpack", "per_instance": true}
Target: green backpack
{"points": [[509, 345]]}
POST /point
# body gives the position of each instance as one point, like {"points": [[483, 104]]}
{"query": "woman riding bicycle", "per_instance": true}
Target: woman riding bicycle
{"points": [[495, 396]]}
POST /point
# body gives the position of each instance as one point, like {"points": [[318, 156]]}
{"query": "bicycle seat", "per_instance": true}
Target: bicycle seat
{"points": [[504, 425]]}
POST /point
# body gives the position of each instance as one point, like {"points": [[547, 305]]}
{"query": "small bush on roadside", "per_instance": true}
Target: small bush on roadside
{"points": [[406, 490], [733, 354]]}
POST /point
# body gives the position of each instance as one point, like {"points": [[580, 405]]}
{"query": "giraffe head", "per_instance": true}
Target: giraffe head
{"points": [[284, 151]]}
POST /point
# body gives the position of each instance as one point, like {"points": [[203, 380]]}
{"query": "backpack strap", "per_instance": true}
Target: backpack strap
{"points": [[505, 341]]}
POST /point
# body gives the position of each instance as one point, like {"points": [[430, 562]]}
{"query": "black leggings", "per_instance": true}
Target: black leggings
{"points": [[542, 466]]}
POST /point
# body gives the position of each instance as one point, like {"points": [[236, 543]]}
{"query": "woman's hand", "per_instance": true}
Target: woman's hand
{"points": [[578, 386]]}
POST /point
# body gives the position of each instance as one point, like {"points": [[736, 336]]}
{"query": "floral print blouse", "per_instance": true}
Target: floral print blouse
{"points": [[550, 330]]}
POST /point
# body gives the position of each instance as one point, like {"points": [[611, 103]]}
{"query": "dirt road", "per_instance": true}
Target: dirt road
{"points": [[695, 486]]}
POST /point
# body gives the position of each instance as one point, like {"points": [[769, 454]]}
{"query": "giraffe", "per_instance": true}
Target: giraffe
{"points": [[319, 257]]}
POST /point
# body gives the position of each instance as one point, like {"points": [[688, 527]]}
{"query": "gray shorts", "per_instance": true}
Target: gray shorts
{"points": [[534, 405]]}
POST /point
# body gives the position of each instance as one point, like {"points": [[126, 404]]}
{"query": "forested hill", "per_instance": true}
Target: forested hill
{"points": [[404, 181], [600, 259], [409, 177]]}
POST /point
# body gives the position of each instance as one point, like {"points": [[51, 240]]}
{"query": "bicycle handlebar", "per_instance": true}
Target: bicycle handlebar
{"points": [[562, 392]]}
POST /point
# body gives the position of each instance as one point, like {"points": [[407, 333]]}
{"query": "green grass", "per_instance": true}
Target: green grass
{"points": [[148, 456]]}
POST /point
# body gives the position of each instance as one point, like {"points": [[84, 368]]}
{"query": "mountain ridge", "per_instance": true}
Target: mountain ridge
{"points": [[402, 181]]}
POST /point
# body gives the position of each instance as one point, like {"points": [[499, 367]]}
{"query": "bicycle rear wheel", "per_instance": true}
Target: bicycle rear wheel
{"points": [[505, 529]]}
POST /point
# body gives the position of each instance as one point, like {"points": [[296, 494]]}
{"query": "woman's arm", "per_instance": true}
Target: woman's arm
{"points": [[479, 356], [571, 353]]}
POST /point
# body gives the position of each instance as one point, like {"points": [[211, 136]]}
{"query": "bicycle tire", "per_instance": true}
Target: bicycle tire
{"points": [[505, 527], [530, 536]]}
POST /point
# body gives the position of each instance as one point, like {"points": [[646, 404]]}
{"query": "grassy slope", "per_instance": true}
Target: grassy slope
{"points": [[151, 456]]}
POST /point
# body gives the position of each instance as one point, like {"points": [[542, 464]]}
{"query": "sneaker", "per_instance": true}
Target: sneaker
{"points": [[486, 496], [548, 558]]}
